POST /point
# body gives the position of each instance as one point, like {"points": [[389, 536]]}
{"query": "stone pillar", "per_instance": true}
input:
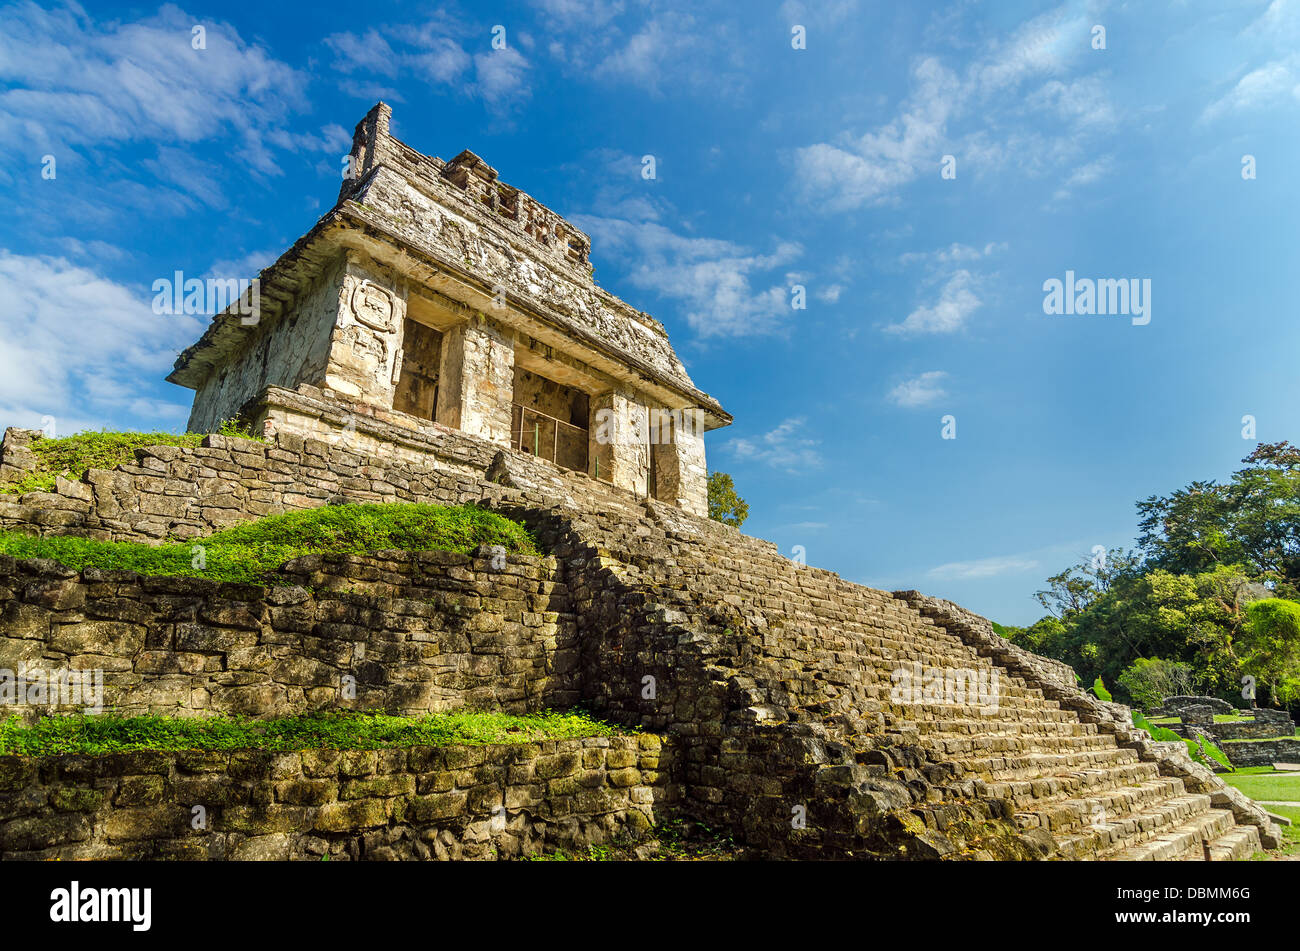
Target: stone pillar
{"points": [[618, 448], [367, 334], [681, 476], [476, 380]]}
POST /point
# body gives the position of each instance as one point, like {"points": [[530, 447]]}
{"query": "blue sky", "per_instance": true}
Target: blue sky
{"points": [[775, 167]]}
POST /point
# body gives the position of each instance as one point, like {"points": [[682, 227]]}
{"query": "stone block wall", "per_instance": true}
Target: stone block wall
{"points": [[404, 633], [1262, 752], [769, 680], [456, 802]]}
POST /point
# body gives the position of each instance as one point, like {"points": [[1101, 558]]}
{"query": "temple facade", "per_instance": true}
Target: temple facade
{"points": [[437, 297]]}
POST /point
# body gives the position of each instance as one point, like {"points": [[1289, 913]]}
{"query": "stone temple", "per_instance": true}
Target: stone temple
{"points": [[437, 338], [434, 295]]}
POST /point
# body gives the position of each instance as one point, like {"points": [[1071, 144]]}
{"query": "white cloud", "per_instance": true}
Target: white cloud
{"points": [[955, 253], [870, 169], [664, 49], [713, 278], [782, 448], [433, 51], [587, 13], [983, 568], [501, 75], [79, 347], [1260, 87], [948, 314], [923, 390], [73, 82]]}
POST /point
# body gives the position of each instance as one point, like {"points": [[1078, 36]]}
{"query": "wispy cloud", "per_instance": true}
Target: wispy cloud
{"points": [[924, 390], [438, 50], [713, 278], [946, 314], [784, 447], [77, 345], [1267, 85], [983, 568], [73, 82], [852, 172]]}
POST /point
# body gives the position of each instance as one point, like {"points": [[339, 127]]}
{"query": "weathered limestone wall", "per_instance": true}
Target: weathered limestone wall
{"points": [[404, 633], [422, 205], [1262, 752], [681, 475], [477, 380], [619, 425], [770, 680], [290, 350], [367, 336], [478, 802]]}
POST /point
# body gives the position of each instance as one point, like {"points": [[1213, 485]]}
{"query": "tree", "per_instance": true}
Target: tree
{"points": [[1253, 520], [725, 505], [1271, 647], [1149, 680], [1073, 590]]}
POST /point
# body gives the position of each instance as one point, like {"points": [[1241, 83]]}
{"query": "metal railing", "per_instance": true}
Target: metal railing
{"points": [[531, 437]]}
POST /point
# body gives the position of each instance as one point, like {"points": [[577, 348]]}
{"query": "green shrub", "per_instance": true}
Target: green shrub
{"points": [[1149, 680], [253, 553], [1100, 690], [1165, 735]]}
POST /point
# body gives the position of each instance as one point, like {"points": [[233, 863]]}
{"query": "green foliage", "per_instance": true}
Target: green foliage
{"points": [[345, 731], [254, 552], [1270, 646], [1210, 750], [232, 427], [71, 456], [1163, 734], [725, 505], [1099, 689], [1208, 552], [1251, 520], [1149, 680]]}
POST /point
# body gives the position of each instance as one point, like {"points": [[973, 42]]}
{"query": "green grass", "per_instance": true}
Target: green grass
{"points": [[254, 552], [71, 456], [94, 735], [1264, 783]]}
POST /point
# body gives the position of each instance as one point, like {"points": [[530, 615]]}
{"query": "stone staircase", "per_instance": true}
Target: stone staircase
{"points": [[777, 685], [800, 646]]}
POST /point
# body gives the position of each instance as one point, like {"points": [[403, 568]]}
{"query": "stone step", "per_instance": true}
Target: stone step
{"points": [[1188, 815], [1063, 815], [967, 726], [1037, 765], [1236, 845], [1186, 839], [948, 747], [1068, 784]]}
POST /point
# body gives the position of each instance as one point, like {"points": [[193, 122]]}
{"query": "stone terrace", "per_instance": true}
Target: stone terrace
{"points": [[771, 682]]}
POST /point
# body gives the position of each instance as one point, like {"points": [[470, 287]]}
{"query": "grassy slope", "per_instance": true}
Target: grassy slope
{"points": [[252, 553], [113, 734]]}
